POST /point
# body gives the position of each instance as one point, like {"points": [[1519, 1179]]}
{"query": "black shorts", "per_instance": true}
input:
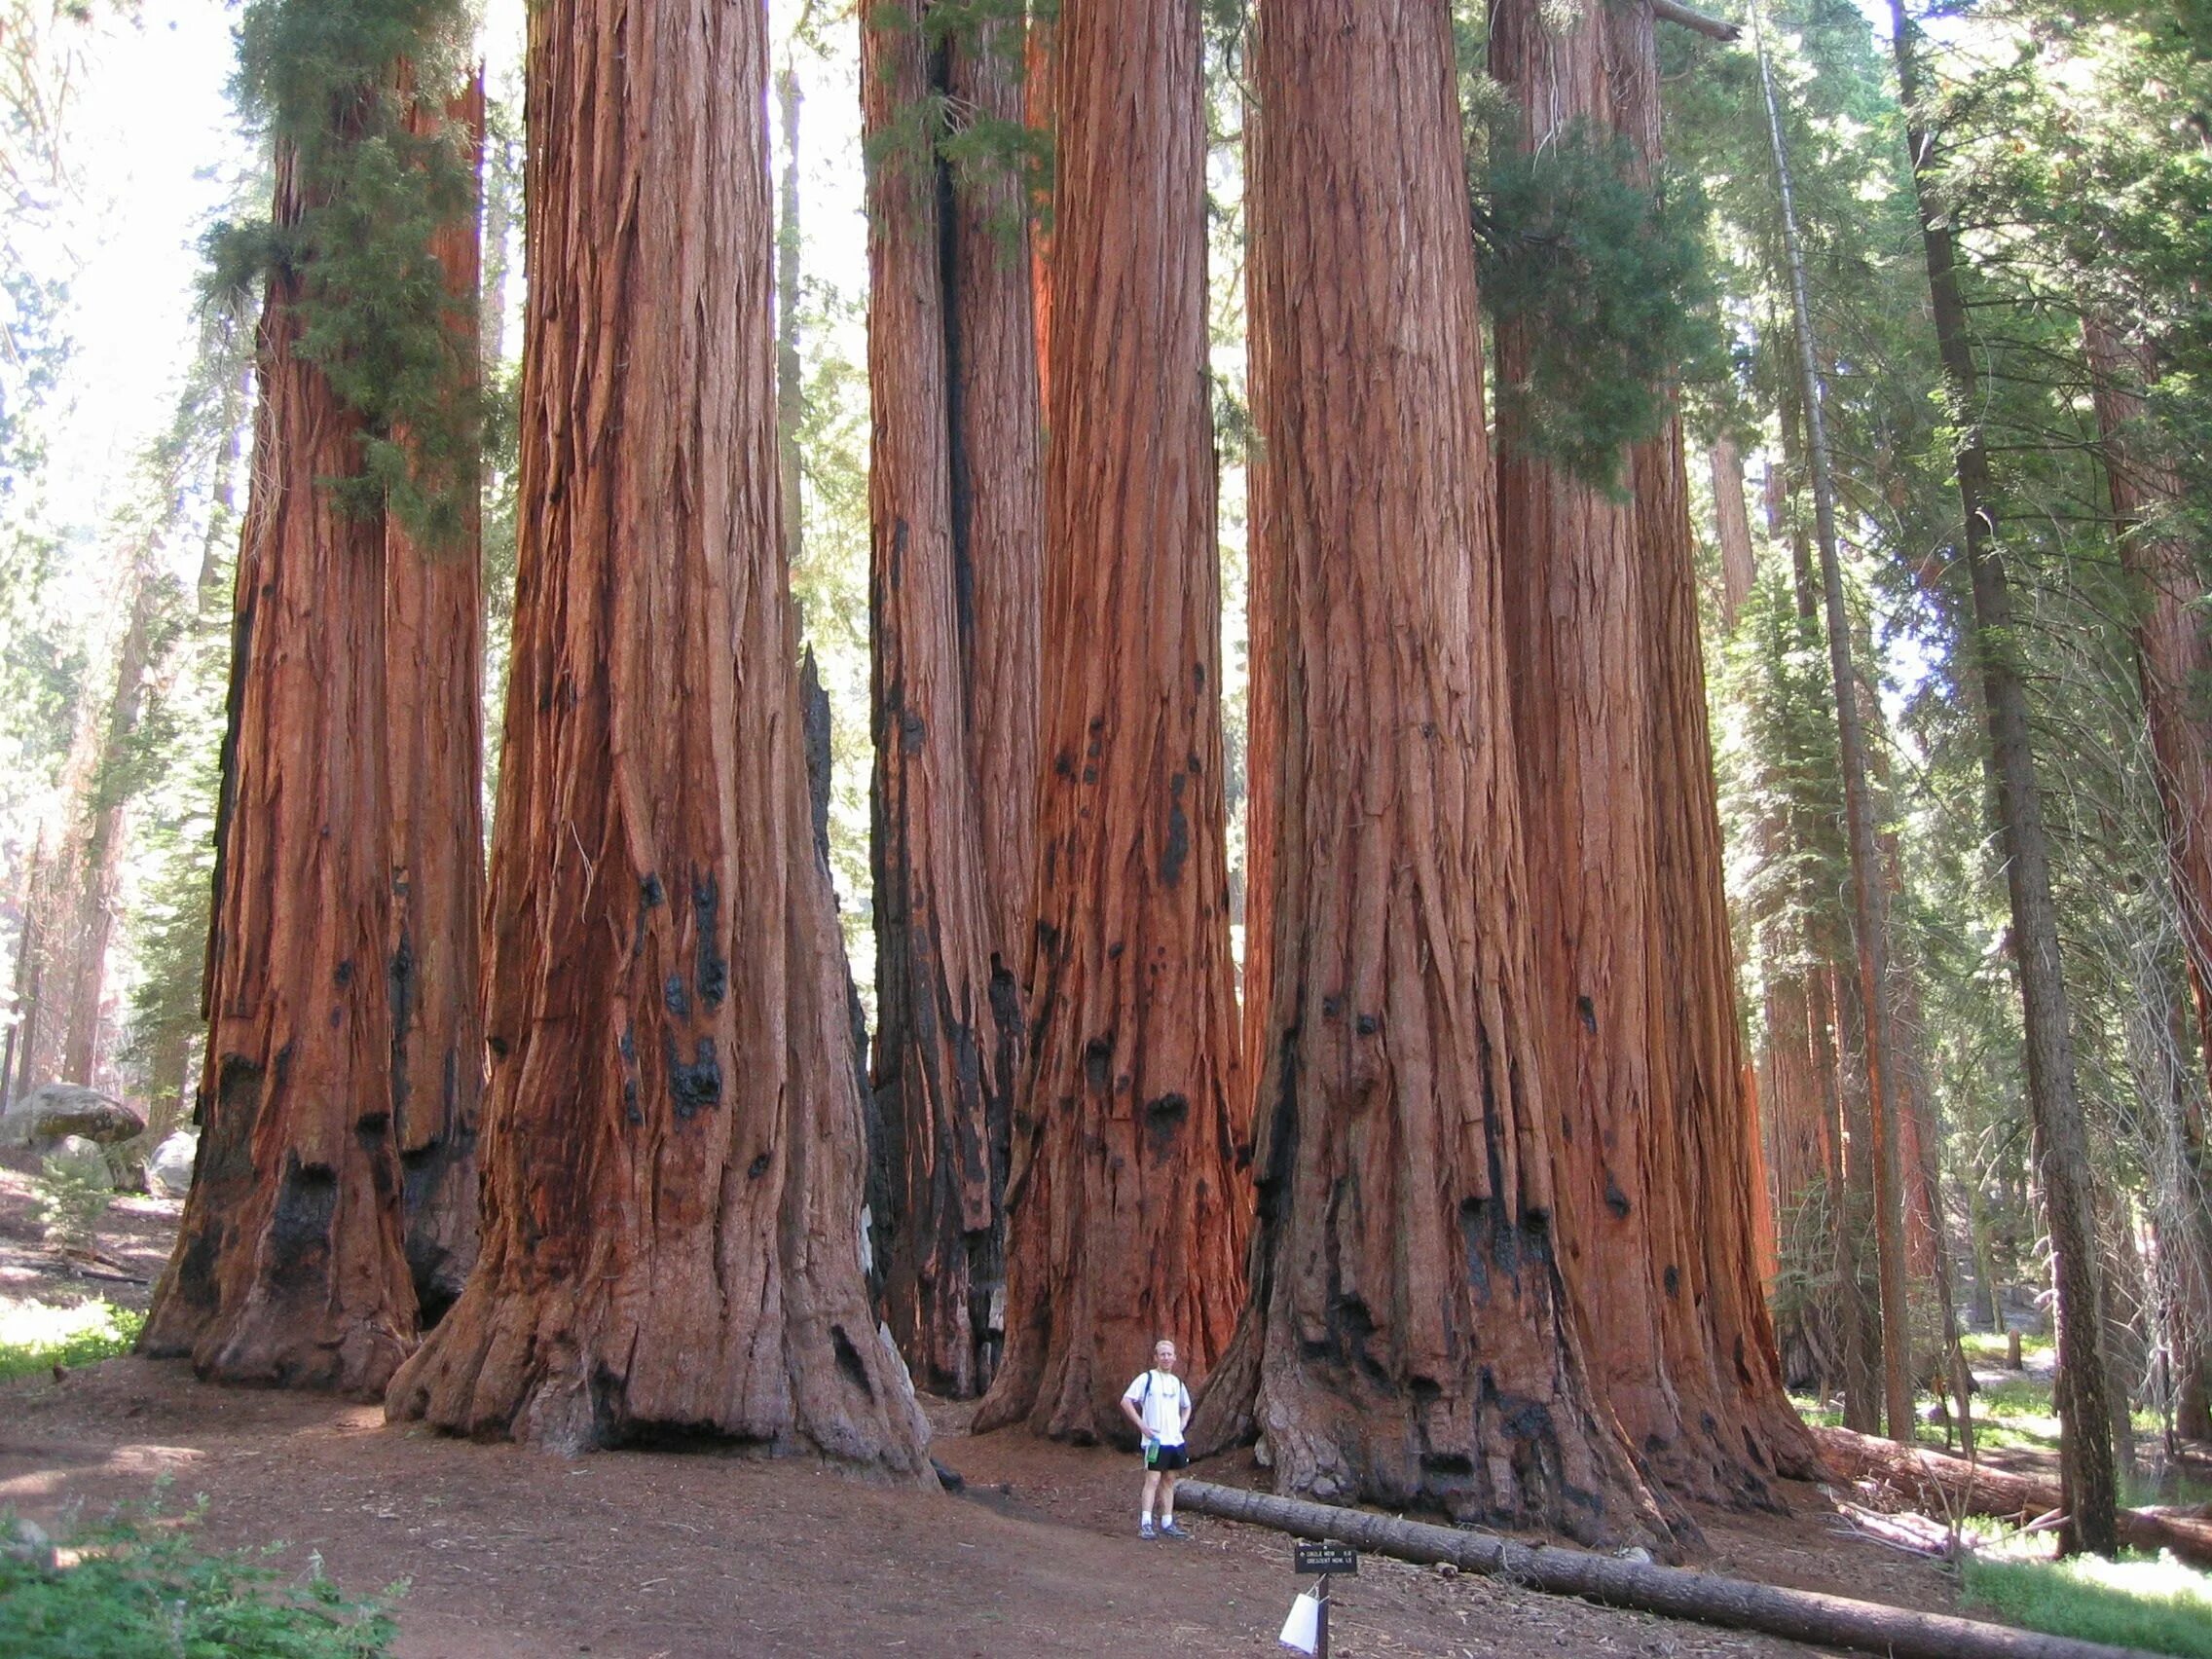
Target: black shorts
{"points": [[1169, 1457]]}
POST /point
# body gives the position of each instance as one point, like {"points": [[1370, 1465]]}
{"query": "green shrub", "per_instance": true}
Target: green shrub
{"points": [[2147, 1602], [71, 1192], [34, 1336], [138, 1588]]}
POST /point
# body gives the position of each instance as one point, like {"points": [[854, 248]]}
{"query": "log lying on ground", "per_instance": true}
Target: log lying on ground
{"points": [[1943, 1485], [1801, 1615]]}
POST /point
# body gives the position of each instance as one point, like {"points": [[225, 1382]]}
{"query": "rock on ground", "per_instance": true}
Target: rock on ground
{"points": [[54, 1111]]}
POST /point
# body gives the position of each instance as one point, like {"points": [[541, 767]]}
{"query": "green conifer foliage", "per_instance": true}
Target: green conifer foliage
{"points": [[325, 78], [1609, 275]]}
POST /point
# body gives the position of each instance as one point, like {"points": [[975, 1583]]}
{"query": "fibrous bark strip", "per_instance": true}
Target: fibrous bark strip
{"points": [[288, 1267], [1130, 1204], [1408, 1337], [673, 1134]]}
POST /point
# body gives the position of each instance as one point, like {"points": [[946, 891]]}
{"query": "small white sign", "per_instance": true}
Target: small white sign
{"points": [[1303, 1629]]}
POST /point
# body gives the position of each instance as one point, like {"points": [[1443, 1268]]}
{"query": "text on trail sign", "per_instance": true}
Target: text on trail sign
{"points": [[1327, 1557]]}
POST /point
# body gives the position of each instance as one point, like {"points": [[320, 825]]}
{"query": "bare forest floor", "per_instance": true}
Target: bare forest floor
{"points": [[639, 1554], [133, 1244]]}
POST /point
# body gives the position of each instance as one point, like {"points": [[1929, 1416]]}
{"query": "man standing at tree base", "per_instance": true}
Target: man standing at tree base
{"points": [[1159, 1404]]}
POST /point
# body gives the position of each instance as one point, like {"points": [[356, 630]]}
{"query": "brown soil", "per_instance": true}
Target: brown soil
{"points": [[133, 1242], [670, 1555]]}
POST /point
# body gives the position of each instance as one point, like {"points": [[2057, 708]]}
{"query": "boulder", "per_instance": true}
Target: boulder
{"points": [[79, 1158], [54, 1111], [168, 1172]]}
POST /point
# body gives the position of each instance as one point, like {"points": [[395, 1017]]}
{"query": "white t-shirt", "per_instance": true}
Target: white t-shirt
{"points": [[1164, 1406]]}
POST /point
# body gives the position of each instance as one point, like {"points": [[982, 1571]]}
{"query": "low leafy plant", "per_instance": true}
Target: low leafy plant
{"points": [[71, 1194], [35, 1336], [138, 1587], [2147, 1602]]}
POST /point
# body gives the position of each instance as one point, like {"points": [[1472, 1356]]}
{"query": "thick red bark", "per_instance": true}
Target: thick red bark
{"points": [[1720, 1332], [1635, 986], [2173, 649], [2173, 653], [1408, 1338], [998, 525], [672, 1141], [791, 386], [434, 736], [955, 504], [288, 1266], [1040, 64], [1129, 1207]]}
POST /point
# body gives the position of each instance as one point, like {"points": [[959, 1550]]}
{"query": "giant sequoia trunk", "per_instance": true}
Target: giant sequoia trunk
{"points": [[1635, 989], [952, 605], [791, 385], [2173, 652], [2089, 1479], [434, 652], [288, 1266], [1408, 1337], [2174, 660], [1128, 1210], [1714, 1309], [672, 1145]]}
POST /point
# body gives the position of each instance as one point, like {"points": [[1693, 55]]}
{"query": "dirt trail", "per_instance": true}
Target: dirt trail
{"points": [[695, 1555], [660, 1555]]}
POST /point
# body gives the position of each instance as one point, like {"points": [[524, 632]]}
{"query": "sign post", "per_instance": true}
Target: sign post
{"points": [[1326, 1558]]}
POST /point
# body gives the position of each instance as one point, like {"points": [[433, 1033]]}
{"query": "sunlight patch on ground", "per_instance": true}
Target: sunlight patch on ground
{"points": [[35, 1334], [2147, 1602]]}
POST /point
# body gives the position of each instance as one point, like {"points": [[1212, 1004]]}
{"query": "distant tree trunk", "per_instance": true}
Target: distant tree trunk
{"points": [[1718, 1324], [1860, 1303], [2174, 661], [1795, 1102], [107, 793], [1803, 1088], [434, 656], [952, 612], [2086, 1458], [2173, 650], [1739, 566], [1130, 1208], [1408, 1338], [18, 1077], [289, 1266], [1871, 922], [672, 1147], [222, 515], [2123, 1306]]}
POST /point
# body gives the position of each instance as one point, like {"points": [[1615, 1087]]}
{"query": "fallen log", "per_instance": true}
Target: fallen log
{"points": [[1801, 1615], [1943, 1485]]}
